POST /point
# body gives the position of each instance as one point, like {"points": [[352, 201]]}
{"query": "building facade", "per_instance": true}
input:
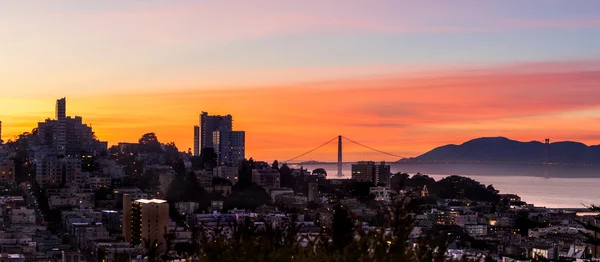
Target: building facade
{"points": [[53, 171], [7, 170], [68, 136], [313, 192], [216, 132], [267, 178], [145, 220], [196, 140], [368, 171]]}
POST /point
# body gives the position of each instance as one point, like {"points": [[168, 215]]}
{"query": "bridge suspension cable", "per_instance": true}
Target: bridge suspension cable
{"points": [[312, 150], [370, 148]]}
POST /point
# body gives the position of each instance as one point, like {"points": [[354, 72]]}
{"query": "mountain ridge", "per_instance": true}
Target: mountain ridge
{"points": [[502, 149]]}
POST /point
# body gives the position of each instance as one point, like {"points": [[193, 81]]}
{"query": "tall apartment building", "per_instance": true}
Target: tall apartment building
{"points": [[145, 219], [368, 171], [61, 127], [196, 140], [209, 124], [216, 132]]}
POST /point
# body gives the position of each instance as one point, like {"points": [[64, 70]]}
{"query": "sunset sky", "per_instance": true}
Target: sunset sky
{"points": [[400, 76]]}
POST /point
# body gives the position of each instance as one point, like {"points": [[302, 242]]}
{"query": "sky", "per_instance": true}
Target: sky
{"points": [[400, 76]]}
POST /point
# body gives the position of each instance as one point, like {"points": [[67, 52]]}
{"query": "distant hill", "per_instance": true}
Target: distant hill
{"points": [[501, 149]]}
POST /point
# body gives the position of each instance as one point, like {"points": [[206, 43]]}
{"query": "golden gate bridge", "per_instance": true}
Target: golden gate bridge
{"points": [[340, 162]]}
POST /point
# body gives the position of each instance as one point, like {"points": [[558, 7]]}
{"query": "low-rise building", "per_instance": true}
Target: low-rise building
{"points": [[381, 193], [267, 177], [22, 216], [7, 170]]}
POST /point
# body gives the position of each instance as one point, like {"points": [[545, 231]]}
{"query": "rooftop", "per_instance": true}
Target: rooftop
{"points": [[153, 201]]}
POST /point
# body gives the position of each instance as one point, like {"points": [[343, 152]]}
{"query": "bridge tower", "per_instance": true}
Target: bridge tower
{"points": [[547, 148], [339, 163]]}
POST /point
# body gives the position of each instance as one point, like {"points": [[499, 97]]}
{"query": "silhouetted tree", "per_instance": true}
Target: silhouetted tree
{"points": [[343, 227], [149, 144], [275, 165], [193, 191], [208, 158], [244, 175], [285, 174], [151, 249], [172, 154], [592, 238], [398, 181], [320, 172], [176, 189]]}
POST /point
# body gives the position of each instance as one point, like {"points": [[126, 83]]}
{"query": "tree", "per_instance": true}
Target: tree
{"points": [[176, 189], [149, 143], [171, 153], [285, 174], [398, 181], [169, 237], [343, 227], [151, 249], [193, 191], [275, 165], [244, 175], [320, 172], [208, 158], [592, 238]]}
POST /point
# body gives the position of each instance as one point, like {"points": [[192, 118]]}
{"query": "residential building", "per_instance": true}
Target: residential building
{"points": [[61, 127], [216, 132], [22, 216], [53, 171], [68, 136], [476, 230], [368, 171], [210, 124], [545, 251], [381, 193], [228, 172], [267, 178], [363, 171], [145, 219], [72, 256], [196, 140], [7, 170], [313, 192]]}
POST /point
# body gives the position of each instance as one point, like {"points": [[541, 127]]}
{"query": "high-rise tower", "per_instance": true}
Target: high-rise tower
{"points": [[61, 126], [196, 140], [216, 132]]}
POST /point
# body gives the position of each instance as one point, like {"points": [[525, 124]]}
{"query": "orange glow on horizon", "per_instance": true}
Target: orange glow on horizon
{"points": [[401, 115]]}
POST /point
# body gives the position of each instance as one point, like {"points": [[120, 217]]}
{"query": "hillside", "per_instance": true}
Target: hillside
{"points": [[501, 149]]}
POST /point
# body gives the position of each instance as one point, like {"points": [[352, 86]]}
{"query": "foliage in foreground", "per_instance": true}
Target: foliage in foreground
{"points": [[344, 241]]}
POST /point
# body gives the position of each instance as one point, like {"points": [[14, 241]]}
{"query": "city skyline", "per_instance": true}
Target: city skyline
{"points": [[401, 77]]}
